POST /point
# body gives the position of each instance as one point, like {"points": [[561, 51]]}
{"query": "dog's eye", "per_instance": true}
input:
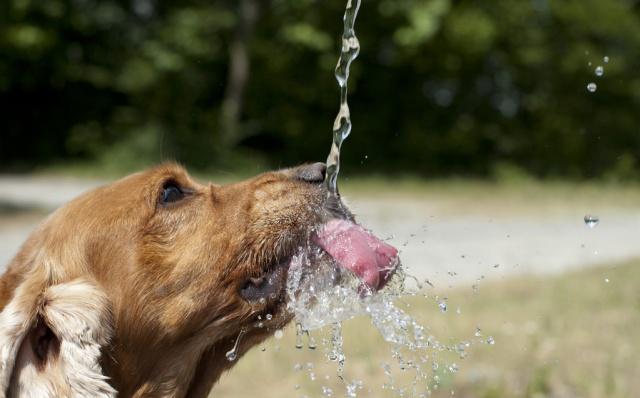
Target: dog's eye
{"points": [[171, 193]]}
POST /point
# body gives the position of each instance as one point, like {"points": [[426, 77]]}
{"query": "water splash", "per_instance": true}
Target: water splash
{"points": [[342, 124], [322, 295]]}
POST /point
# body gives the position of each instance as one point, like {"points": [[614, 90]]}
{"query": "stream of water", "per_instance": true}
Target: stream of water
{"points": [[342, 124]]}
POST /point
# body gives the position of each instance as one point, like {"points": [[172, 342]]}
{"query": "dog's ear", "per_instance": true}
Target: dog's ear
{"points": [[51, 340]]}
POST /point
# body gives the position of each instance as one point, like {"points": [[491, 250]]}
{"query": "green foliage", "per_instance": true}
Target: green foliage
{"points": [[423, 17], [308, 36], [493, 88]]}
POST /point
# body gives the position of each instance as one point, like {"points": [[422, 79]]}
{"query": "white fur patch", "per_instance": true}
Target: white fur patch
{"points": [[78, 315], [15, 321]]}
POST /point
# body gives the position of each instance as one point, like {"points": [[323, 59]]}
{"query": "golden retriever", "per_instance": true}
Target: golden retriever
{"points": [[140, 287]]}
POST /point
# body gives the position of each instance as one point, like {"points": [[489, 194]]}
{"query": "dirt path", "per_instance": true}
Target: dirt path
{"points": [[453, 250], [449, 247]]}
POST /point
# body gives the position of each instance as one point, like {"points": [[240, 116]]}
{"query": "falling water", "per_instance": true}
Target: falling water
{"points": [[342, 123]]}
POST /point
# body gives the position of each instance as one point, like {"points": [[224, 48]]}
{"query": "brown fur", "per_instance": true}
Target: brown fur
{"points": [[170, 274]]}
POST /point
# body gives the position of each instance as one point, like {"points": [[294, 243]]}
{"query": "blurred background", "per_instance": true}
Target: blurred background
{"points": [[484, 133], [441, 87]]}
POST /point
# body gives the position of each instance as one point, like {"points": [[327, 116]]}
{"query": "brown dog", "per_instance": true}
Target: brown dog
{"points": [[139, 288]]}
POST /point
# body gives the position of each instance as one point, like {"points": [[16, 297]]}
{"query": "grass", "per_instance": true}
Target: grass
{"points": [[567, 336]]}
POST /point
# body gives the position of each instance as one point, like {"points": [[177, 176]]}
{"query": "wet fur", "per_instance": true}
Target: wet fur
{"points": [[118, 292]]}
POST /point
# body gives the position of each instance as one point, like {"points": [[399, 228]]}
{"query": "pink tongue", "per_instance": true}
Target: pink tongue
{"points": [[358, 250]]}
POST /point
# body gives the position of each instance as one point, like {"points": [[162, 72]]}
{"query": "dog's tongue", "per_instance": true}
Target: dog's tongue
{"points": [[356, 249]]}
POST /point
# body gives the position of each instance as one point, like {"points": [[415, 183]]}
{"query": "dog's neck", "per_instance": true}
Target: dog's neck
{"points": [[189, 370]]}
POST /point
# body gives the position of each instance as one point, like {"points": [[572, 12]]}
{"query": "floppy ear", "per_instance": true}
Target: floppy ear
{"points": [[51, 340]]}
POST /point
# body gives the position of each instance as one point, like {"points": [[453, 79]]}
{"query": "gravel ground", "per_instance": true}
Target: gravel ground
{"points": [[453, 250], [447, 247]]}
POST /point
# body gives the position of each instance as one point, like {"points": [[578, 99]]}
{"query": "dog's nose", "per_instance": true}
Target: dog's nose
{"points": [[313, 173]]}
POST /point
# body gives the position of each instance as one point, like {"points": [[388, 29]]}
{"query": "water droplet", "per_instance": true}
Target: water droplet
{"points": [[262, 300], [299, 334], [490, 340], [312, 342], [592, 87], [278, 334], [269, 317], [443, 306], [327, 392], [606, 280], [591, 221], [599, 71], [453, 368], [478, 332], [606, 60], [232, 354], [351, 390], [297, 367]]}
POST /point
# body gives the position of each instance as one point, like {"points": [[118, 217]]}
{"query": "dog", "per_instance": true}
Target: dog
{"points": [[139, 288]]}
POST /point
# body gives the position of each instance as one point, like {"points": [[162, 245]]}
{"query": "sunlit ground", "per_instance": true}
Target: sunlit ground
{"points": [[567, 336]]}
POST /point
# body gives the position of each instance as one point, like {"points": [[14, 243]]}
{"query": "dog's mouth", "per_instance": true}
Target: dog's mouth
{"points": [[350, 246], [268, 286]]}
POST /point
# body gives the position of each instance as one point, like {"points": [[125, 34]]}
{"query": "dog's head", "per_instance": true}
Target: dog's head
{"points": [[185, 267]]}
